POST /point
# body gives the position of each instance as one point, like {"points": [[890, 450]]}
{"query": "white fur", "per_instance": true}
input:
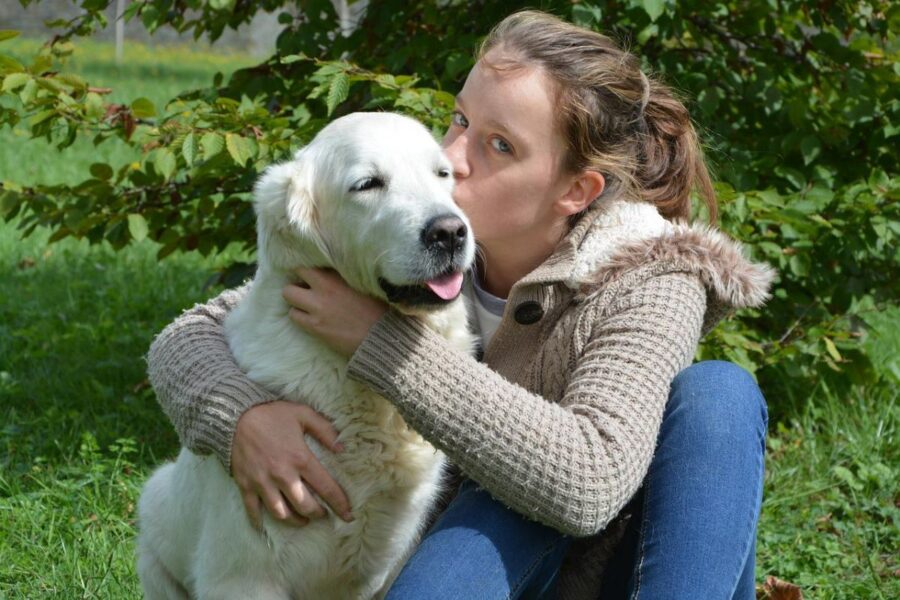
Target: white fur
{"points": [[618, 222], [195, 539]]}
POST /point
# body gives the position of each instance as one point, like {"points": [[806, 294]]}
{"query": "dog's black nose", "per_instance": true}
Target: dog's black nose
{"points": [[447, 233]]}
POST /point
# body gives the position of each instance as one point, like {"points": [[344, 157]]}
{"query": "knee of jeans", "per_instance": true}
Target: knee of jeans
{"points": [[721, 396]]}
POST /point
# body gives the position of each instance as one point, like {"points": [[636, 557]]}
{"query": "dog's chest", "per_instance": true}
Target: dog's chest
{"points": [[381, 450]]}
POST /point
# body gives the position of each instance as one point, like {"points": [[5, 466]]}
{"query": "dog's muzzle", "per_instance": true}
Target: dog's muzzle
{"points": [[446, 234]]}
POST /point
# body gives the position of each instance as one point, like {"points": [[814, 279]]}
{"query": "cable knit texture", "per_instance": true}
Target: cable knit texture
{"points": [[559, 420]]}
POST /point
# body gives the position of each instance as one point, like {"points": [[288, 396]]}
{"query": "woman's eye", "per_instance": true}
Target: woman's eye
{"points": [[460, 119], [369, 183], [500, 145]]}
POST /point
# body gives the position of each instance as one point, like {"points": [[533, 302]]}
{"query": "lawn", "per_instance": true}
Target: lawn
{"points": [[81, 430]]}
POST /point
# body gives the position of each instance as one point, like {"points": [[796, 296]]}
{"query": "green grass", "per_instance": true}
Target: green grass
{"points": [[81, 430], [830, 514], [80, 427]]}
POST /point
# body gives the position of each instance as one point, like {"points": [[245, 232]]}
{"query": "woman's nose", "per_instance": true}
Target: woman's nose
{"points": [[455, 149]]}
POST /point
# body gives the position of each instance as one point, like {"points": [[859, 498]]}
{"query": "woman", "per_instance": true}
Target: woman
{"points": [[572, 166]]}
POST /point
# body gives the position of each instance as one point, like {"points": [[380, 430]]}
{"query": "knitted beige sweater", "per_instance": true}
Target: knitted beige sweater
{"points": [[560, 420]]}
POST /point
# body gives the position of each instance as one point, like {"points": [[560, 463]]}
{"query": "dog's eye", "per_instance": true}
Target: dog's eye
{"points": [[369, 183], [443, 173]]}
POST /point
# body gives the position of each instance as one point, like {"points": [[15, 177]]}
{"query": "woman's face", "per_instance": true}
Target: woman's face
{"points": [[505, 150]]}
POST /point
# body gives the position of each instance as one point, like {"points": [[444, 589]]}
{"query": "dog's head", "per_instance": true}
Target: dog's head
{"points": [[370, 197]]}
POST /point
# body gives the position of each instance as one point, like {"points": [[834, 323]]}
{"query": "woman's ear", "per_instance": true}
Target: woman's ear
{"points": [[583, 189]]}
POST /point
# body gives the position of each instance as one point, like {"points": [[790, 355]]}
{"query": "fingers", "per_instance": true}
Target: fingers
{"points": [[313, 472], [319, 427], [302, 500], [279, 508], [315, 475], [298, 297]]}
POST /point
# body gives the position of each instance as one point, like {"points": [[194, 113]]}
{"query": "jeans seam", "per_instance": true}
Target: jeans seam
{"points": [[641, 539], [515, 589], [760, 465]]}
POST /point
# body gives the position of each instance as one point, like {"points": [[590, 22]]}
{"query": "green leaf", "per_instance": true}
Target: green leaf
{"points": [[143, 108], [42, 116], [240, 148], [8, 34], [832, 349], [10, 65], [137, 226], [292, 58], [101, 171], [799, 264], [28, 92], [189, 149], [41, 64], [93, 105], [811, 148], [337, 91], [14, 81], [165, 162], [212, 144], [132, 10], [9, 201], [793, 176], [653, 8], [586, 15]]}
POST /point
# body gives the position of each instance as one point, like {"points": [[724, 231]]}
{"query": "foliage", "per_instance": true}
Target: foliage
{"points": [[797, 100]]}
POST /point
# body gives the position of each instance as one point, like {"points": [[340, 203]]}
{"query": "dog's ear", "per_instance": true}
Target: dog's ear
{"points": [[287, 227]]}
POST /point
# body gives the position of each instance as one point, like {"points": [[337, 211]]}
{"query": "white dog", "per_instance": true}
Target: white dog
{"points": [[370, 196]]}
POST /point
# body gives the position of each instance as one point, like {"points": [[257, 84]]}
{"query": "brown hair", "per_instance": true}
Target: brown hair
{"points": [[616, 120]]}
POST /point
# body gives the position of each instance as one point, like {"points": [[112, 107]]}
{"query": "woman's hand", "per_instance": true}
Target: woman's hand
{"points": [[331, 310], [272, 465]]}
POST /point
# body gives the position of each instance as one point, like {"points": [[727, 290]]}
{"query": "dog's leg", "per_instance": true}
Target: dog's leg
{"points": [[242, 589], [156, 581]]}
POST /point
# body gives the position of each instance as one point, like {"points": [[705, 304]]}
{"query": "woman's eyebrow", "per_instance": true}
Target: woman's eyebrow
{"points": [[503, 127]]}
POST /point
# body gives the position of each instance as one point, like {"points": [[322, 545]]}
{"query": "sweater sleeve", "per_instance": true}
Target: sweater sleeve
{"points": [[197, 380], [573, 465]]}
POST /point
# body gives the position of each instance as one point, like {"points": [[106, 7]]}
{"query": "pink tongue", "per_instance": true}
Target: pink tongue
{"points": [[446, 287]]}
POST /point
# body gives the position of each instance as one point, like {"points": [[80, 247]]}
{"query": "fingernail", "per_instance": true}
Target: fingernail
{"points": [[338, 447], [348, 516]]}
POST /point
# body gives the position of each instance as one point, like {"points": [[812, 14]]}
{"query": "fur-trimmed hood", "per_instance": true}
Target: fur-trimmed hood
{"points": [[619, 236]]}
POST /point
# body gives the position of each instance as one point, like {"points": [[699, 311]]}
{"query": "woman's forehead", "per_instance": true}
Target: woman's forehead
{"points": [[521, 100]]}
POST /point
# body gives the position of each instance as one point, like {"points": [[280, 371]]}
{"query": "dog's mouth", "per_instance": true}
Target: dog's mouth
{"points": [[437, 291]]}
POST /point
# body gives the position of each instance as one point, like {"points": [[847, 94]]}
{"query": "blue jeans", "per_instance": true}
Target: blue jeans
{"points": [[692, 536]]}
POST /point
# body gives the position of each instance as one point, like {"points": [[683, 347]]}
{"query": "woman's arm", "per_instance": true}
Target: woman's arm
{"points": [[197, 381], [572, 465]]}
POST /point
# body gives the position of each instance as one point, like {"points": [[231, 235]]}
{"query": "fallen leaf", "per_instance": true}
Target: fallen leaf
{"points": [[776, 589], [26, 263]]}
